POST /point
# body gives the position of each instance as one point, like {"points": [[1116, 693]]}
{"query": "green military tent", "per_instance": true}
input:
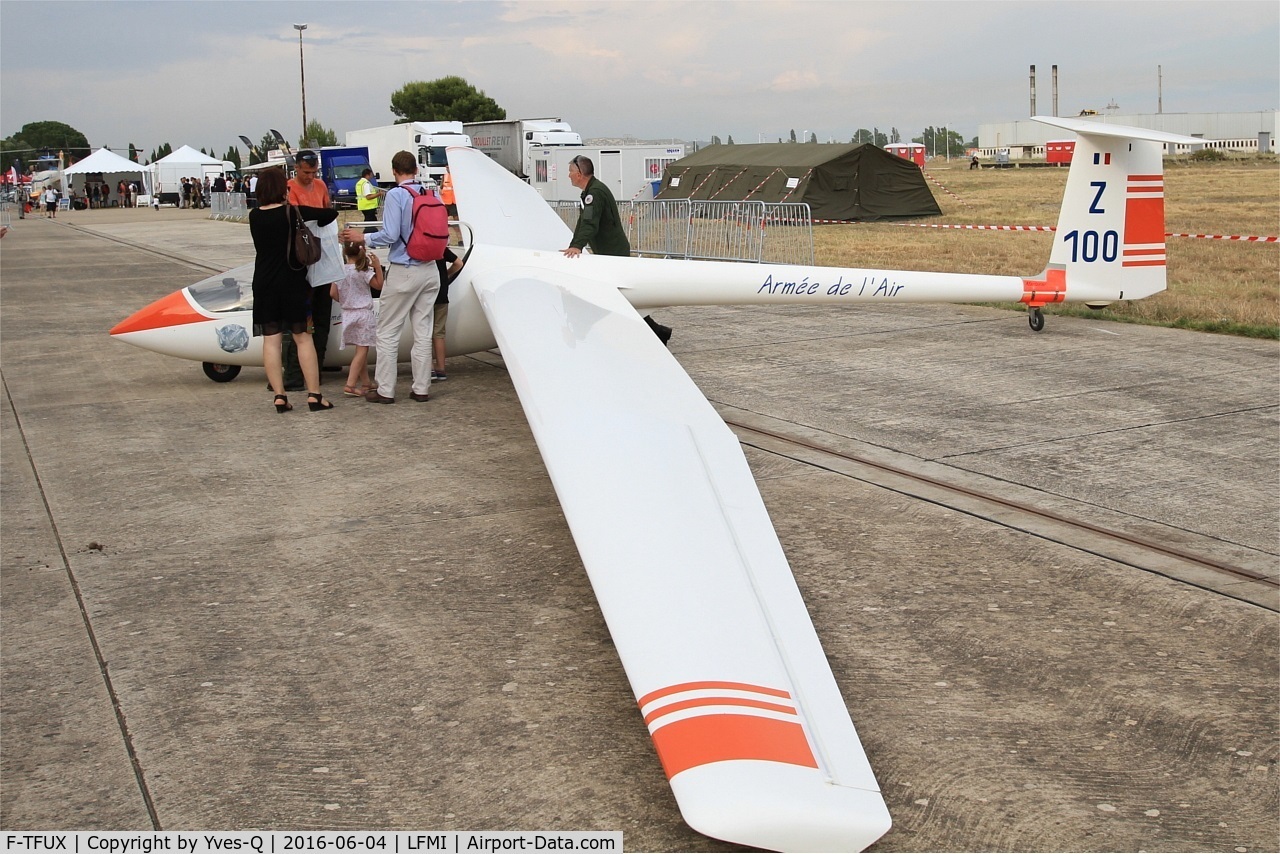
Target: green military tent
{"points": [[838, 182]]}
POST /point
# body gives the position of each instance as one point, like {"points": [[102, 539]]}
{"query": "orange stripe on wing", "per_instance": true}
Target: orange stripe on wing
{"points": [[710, 686], [715, 701], [691, 742]]}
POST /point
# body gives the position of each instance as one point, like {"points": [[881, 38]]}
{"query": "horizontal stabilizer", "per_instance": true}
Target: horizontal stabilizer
{"points": [[1099, 128]]}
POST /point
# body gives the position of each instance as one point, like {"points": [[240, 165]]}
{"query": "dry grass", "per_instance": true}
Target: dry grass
{"points": [[1219, 285]]}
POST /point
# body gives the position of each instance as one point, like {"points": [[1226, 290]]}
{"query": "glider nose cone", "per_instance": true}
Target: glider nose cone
{"points": [[173, 310]]}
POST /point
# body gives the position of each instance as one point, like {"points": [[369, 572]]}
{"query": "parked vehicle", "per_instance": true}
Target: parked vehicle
{"points": [[510, 142], [629, 171], [340, 168], [427, 140]]}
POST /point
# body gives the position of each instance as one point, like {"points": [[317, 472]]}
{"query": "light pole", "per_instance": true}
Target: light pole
{"points": [[302, 69]]}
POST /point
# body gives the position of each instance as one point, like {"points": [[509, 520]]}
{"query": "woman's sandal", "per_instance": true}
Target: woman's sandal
{"points": [[318, 403], [284, 407], [352, 391]]}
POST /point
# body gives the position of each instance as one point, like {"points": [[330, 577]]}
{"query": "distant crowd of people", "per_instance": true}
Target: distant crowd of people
{"points": [[196, 193]]}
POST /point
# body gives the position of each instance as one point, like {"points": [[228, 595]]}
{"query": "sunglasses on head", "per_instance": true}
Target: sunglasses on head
{"points": [[309, 159]]}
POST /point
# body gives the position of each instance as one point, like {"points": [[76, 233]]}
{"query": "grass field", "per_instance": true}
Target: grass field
{"points": [[1214, 285]]}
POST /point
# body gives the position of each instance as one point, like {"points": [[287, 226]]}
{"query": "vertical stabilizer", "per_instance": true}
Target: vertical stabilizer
{"points": [[1109, 243]]}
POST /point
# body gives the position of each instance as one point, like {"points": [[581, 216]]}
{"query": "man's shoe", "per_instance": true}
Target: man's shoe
{"points": [[438, 377], [374, 397], [663, 332], [421, 398]]}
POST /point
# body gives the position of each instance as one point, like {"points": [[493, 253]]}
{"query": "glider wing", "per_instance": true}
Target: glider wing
{"points": [[715, 638]]}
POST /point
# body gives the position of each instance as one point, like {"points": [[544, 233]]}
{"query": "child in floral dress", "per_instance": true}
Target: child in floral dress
{"points": [[359, 323]]}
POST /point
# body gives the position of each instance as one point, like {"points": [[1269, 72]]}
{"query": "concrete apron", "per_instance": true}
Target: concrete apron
{"points": [[217, 617]]}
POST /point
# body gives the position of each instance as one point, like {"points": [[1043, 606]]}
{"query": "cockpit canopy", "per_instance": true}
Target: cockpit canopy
{"points": [[229, 291]]}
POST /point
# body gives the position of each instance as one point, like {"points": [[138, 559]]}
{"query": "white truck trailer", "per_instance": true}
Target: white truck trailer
{"points": [[629, 171], [510, 142], [427, 140]]}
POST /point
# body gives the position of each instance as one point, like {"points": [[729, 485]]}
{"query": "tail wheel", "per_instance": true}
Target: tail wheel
{"points": [[220, 373], [1035, 319]]}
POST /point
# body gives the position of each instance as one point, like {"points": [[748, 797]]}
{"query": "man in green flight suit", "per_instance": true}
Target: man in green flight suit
{"points": [[599, 225]]}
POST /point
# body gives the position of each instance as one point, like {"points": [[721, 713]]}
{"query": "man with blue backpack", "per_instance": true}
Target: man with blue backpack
{"points": [[416, 227]]}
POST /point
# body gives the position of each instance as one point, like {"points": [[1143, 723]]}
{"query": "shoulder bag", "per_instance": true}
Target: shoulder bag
{"points": [[303, 248]]}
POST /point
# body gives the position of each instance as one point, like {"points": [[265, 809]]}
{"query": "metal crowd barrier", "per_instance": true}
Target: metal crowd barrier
{"points": [[761, 232], [228, 206]]}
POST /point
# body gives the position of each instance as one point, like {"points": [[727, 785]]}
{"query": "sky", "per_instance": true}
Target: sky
{"points": [[203, 73]]}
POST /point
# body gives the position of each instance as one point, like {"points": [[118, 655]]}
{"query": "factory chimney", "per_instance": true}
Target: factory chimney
{"points": [[1055, 90], [1033, 90]]}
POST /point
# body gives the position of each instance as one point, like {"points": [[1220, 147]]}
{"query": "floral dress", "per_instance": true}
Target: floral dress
{"points": [[359, 323]]}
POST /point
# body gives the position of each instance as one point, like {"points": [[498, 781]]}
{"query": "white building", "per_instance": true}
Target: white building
{"points": [[1244, 132]]}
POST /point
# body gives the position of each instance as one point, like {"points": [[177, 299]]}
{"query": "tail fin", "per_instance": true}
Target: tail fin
{"points": [[1109, 243]]}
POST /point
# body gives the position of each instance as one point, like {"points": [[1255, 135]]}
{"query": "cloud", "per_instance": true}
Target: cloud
{"points": [[203, 72], [795, 81]]}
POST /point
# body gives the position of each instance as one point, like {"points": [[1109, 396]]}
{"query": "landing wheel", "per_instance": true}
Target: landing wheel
{"points": [[220, 373], [1035, 319]]}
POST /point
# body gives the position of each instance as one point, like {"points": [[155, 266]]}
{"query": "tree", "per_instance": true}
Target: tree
{"points": [[15, 148], [268, 143], [318, 136], [448, 99], [793, 134], [813, 138], [863, 136], [730, 139], [233, 155], [894, 136], [941, 142], [56, 137], [715, 140]]}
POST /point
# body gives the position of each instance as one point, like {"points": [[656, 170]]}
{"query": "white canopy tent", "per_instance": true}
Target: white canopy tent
{"points": [[167, 172], [188, 155], [112, 167]]}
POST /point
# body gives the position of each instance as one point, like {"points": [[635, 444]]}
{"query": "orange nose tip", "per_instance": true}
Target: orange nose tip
{"points": [[173, 310]]}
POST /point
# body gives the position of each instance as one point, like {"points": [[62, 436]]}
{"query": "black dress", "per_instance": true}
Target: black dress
{"points": [[281, 295]]}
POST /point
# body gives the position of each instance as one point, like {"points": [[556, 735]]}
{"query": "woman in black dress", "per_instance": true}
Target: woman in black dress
{"points": [[281, 294]]}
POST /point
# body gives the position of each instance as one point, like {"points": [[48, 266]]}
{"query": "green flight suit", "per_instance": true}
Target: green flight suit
{"points": [[599, 225]]}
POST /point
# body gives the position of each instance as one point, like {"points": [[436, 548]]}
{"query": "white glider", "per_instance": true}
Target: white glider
{"points": [[717, 643]]}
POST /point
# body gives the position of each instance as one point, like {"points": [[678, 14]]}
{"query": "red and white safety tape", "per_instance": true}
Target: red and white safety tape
{"points": [[944, 189], [1240, 237], [982, 227]]}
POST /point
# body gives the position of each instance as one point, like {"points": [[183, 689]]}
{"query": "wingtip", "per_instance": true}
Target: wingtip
{"points": [[779, 807]]}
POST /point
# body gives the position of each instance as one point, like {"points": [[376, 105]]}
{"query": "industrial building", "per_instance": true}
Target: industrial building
{"points": [[1250, 133], [1024, 139]]}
